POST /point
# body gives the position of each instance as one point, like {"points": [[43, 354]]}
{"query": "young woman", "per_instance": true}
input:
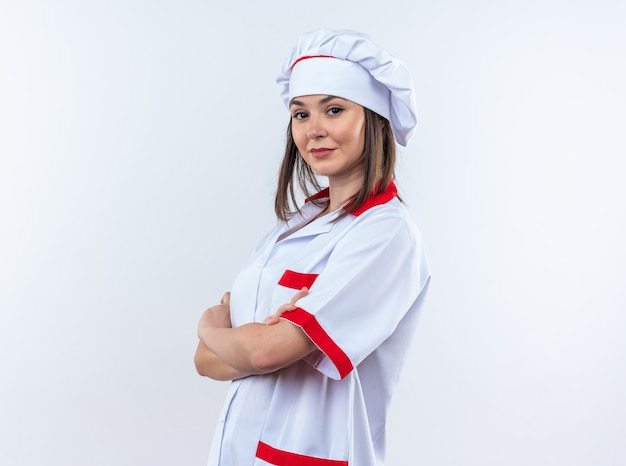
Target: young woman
{"points": [[317, 325]]}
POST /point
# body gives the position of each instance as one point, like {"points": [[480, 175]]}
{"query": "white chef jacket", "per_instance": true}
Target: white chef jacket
{"points": [[367, 274]]}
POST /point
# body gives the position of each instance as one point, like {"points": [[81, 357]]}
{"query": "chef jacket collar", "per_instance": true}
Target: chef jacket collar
{"points": [[373, 200]]}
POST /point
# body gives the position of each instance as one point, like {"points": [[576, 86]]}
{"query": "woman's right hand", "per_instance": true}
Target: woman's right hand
{"points": [[218, 315], [290, 306]]}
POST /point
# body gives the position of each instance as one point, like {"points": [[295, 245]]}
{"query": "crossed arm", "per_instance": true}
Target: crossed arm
{"points": [[226, 353]]}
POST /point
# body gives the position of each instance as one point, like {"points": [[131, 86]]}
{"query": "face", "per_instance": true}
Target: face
{"points": [[329, 133]]}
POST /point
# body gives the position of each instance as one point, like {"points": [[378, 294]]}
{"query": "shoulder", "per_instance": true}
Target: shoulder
{"points": [[386, 218], [383, 229]]}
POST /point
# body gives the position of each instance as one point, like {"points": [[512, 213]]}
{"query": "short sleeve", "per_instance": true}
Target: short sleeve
{"points": [[374, 275]]}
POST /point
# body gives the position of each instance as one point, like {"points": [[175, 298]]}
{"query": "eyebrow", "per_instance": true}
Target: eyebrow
{"points": [[322, 101]]}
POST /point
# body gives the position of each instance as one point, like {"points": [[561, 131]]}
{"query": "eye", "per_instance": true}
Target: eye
{"points": [[335, 110], [299, 115]]}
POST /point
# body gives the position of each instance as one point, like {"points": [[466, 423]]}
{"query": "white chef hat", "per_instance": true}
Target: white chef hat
{"points": [[348, 64]]}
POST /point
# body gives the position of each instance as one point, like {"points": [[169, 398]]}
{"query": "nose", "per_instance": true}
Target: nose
{"points": [[316, 129]]}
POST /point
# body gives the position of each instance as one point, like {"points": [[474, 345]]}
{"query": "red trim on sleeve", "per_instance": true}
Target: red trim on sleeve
{"points": [[284, 458], [322, 340], [297, 280], [306, 57]]}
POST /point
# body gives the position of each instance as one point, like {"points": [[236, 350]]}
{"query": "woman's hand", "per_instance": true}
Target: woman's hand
{"points": [[206, 361], [290, 306], [218, 315]]}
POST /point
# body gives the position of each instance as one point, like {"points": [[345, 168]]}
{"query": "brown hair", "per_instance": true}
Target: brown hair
{"points": [[379, 158]]}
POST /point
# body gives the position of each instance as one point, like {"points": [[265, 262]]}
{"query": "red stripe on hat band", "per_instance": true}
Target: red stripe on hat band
{"points": [[285, 458], [306, 57], [297, 280]]}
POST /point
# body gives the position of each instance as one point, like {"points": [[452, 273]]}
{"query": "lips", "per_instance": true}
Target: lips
{"points": [[321, 152]]}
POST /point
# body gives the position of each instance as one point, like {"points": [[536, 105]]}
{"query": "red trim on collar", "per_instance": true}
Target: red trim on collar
{"points": [[376, 199], [321, 195], [373, 200]]}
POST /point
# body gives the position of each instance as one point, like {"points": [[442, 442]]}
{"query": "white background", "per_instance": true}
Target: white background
{"points": [[139, 144]]}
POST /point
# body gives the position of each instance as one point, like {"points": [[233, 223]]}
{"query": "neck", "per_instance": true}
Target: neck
{"points": [[341, 190]]}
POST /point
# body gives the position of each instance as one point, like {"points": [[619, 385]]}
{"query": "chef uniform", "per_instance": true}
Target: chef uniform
{"points": [[367, 275]]}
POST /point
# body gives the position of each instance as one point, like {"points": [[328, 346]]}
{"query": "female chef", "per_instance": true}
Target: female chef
{"points": [[317, 325]]}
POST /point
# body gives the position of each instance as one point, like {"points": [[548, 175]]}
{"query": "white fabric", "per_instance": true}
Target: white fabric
{"points": [[342, 78], [392, 74], [372, 276]]}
